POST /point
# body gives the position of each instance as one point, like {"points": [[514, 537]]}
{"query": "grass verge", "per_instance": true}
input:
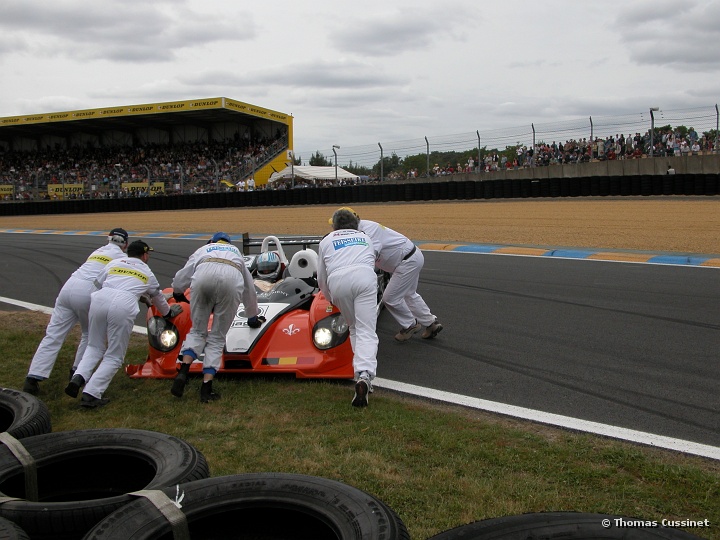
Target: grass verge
{"points": [[437, 466]]}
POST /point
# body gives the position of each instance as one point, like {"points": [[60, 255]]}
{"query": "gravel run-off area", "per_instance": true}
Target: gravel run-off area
{"points": [[662, 224]]}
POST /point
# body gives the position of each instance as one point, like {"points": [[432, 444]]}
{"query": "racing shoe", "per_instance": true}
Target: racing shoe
{"points": [[92, 402], [432, 330], [31, 386], [178, 386], [206, 393], [363, 387], [406, 333], [73, 387]]}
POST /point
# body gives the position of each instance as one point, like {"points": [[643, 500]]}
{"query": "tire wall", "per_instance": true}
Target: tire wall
{"points": [[459, 187]]}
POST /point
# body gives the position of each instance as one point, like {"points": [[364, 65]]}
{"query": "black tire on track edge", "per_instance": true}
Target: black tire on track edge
{"points": [[270, 505], [565, 525], [22, 414], [85, 475]]}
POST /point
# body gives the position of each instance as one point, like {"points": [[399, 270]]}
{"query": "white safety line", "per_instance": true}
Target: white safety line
{"points": [[567, 422], [557, 420], [48, 310]]}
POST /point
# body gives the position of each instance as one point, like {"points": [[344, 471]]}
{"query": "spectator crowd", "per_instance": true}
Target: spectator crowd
{"points": [[198, 167], [115, 172]]}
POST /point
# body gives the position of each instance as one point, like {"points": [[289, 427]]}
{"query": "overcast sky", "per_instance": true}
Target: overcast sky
{"points": [[361, 72]]}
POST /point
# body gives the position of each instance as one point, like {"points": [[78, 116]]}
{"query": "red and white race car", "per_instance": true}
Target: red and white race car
{"points": [[303, 334]]}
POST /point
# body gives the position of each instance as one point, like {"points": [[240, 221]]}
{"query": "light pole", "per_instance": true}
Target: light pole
{"points": [[652, 130], [147, 170], [292, 168], [381, 162], [217, 175], [335, 147]]}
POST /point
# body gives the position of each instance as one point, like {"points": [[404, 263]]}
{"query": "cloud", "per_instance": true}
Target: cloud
{"points": [[404, 29], [319, 75], [116, 31], [676, 36]]}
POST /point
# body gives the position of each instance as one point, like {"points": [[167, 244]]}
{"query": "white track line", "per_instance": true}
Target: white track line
{"points": [[567, 422]]}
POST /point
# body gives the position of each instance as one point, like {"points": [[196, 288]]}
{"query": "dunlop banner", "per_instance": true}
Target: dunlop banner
{"points": [[56, 190], [6, 190], [256, 111], [155, 187]]}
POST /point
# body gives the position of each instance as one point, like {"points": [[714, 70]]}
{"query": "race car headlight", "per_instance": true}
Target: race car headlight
{"points": [[330, 332], [163, 335]]}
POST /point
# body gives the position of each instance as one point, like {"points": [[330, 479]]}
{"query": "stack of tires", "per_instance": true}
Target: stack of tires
{"points": [[135, 484], [129, 484]]}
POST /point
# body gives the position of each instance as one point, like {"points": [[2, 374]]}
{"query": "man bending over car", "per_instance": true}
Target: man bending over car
{"points": [[113, 309], [401, 258], [346, 276], [218, 279]]}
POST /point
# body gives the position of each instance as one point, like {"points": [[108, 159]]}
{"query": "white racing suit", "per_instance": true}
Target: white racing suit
{"points": [[218, 281], [113, 309], [399, 256], [347, 278], [71, 307]]}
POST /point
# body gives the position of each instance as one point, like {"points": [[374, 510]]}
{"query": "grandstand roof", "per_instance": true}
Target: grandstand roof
{"points": [[203, 111]]}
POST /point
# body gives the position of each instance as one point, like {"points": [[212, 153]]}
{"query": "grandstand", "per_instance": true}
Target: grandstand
{"points": [[224, 128]]}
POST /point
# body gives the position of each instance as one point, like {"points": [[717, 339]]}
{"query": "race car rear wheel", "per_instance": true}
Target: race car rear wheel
{"points": [[85, 475], [566, 525], [260, 505]]}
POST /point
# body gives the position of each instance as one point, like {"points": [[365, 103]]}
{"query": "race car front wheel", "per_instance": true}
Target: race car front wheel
{"points": [[258, 505]]}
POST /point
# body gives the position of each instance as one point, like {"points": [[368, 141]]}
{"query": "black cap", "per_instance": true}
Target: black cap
{"points": [[138, 248], [118, 231]]}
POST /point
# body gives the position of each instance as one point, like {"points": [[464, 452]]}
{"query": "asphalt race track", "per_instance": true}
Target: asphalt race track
{"points": [[623, 344]]}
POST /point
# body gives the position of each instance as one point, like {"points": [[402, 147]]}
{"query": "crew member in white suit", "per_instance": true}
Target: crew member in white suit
{"points": [[346, 276], [71, 307], [113, 309], [218, 281], [401, 258]]}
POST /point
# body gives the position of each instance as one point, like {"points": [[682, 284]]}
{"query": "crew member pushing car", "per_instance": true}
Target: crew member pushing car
{"points": [[346, 276], [72, 307], [113, 309], [401, 258], [218, 279]]}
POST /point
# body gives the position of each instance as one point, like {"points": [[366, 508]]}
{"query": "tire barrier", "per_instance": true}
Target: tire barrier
{"points": [[85, 475], [565, 525], [678, 184], [22, 414], [262, 505], [711, 184]]}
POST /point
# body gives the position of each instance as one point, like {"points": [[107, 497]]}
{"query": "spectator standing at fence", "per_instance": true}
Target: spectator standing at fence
{"points": [[71, 307]]}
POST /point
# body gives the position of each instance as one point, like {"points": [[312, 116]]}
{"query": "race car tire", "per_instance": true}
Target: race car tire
{"points": [[566, 525], [11, 531], [261, 505], [22, 414], [85, 475]]}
